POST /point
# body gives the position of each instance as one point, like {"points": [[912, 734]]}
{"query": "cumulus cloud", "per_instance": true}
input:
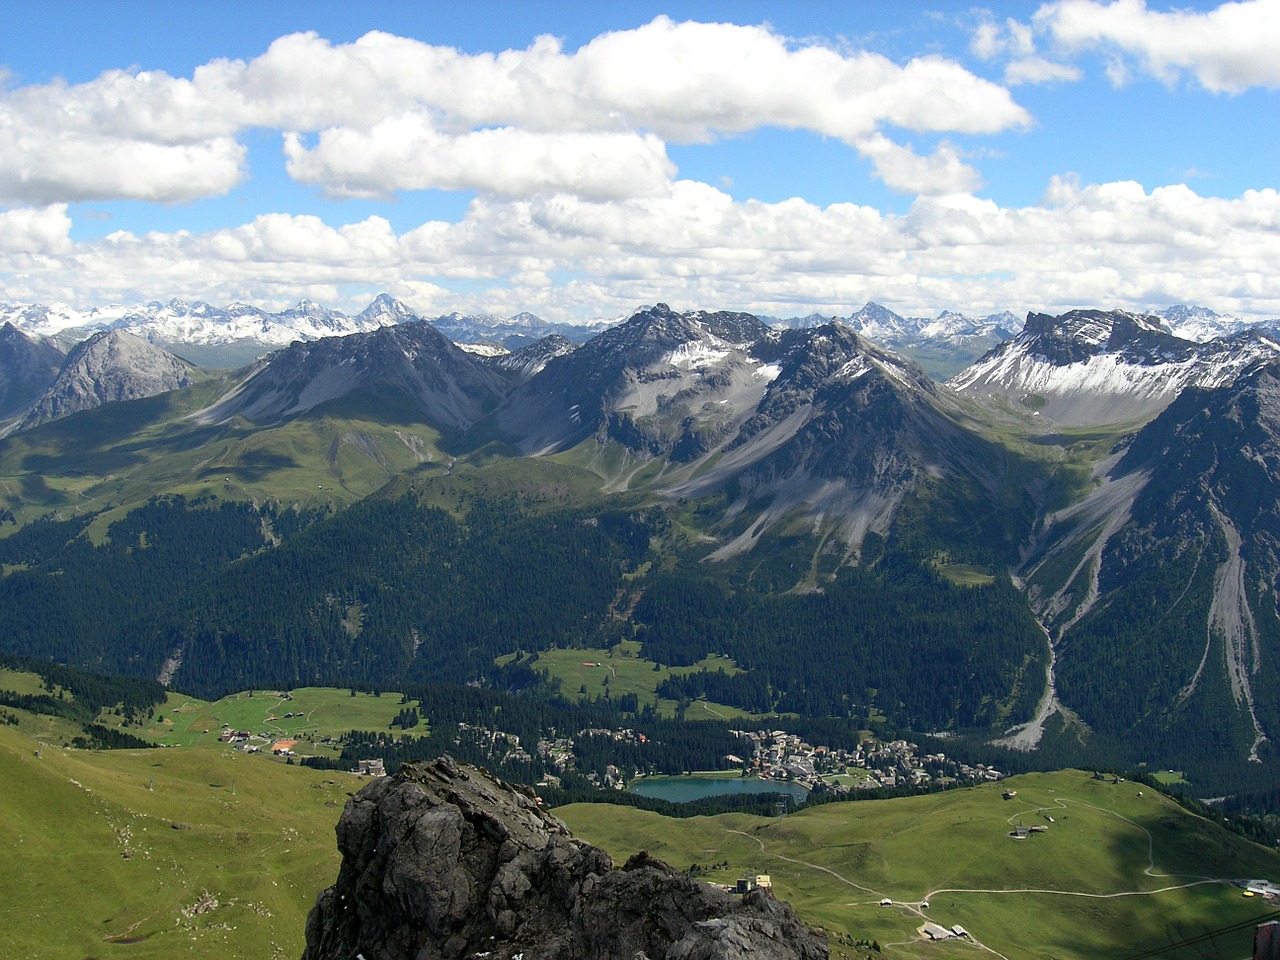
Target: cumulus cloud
{"points": [[48, 166], [388, 113], [408, 153], [1111, 244], [35, 231], [905, 171], [1014, 41], [1228, 49]]}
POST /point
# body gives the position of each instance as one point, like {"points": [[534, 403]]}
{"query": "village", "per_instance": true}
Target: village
{"points": [[778, 755], [782, 756]]}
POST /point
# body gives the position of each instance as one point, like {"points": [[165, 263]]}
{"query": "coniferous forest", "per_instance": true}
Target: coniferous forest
{"points": [[390, 592]]}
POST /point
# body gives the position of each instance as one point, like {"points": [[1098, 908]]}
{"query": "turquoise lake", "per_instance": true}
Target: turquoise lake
{"points": [[684, 789]]}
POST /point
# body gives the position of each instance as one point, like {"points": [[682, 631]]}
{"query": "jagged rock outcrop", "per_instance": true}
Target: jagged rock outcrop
{"points": [[444, 862]]}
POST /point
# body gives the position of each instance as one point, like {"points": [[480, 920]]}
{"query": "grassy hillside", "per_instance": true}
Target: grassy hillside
{"points": [[200, 853], [592, 672], [121, 454], [205, 851], [316, 712], [1119, 870]]}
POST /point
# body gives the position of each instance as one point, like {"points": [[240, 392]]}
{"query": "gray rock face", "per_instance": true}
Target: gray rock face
{"points": [[28, 365], [444, 862], [407, 366], [106, 368]]}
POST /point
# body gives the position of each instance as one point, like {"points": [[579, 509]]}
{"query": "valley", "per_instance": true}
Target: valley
{"points": [[726, 488], [210, 851], [581, 564]]}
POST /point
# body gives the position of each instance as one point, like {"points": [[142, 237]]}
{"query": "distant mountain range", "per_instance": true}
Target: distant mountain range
{"points": [[240, 333], [1091, 367], [225, 337], [1123, 477]]}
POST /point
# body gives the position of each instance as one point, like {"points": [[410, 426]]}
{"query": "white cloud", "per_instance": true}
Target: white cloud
{"points": [[41, 166], [407, 153], [1015, 41], [35, 231], [1039, 70], [988, 40], [903, 170], [1227, 49], [389, 113], [1113, 244]]}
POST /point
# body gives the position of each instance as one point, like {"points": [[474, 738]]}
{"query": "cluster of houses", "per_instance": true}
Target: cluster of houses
{"points": [[767, 754], [257, 742], [497, 743], [778, 755], [559, 754]]}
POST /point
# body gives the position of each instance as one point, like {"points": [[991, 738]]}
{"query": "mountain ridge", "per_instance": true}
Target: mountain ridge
{"points": [[1094, 367]]}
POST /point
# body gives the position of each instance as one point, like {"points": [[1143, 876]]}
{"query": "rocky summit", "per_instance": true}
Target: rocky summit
{"points": [[444, 861]]}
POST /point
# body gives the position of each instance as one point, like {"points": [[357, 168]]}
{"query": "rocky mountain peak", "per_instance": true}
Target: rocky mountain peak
{"points": [[385, 309], [527, 361], [110, 366], [444, 861], [413, 360], [872, 311], [1091, 367], [1078, 334]]}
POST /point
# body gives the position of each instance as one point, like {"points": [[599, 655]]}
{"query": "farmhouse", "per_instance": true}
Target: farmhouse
{"points": [[371, 768], [934, 931], [760, 880]]}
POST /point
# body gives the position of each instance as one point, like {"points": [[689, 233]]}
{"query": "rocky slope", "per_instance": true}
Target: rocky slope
{"points": [[523, 364], [28, 366], [843, 432], [1094, 367], [647, 383], [106, 368], [1160, 587], [405, 367], [443, 862]]}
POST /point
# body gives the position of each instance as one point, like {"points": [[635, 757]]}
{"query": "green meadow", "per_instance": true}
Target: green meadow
{"points": [[591, 672], [157, 854], [307, 713], [118, 456], [210, 852], [1118, 870]]}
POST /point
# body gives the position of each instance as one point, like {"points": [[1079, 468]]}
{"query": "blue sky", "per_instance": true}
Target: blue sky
{"points": [[783, 159]]}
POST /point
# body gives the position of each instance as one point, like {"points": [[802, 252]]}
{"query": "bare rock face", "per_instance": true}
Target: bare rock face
{"points": [[108, 367], [444, 862]]}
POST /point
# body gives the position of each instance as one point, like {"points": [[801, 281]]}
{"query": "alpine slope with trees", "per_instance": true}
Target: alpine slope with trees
{"points": [[1068, 548]]}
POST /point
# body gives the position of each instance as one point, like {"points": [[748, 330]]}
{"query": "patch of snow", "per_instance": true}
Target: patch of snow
{"points": [[484, 349], [695, 355]]}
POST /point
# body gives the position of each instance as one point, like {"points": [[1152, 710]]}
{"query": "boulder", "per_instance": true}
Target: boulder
{"points": [[444, 862]]}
